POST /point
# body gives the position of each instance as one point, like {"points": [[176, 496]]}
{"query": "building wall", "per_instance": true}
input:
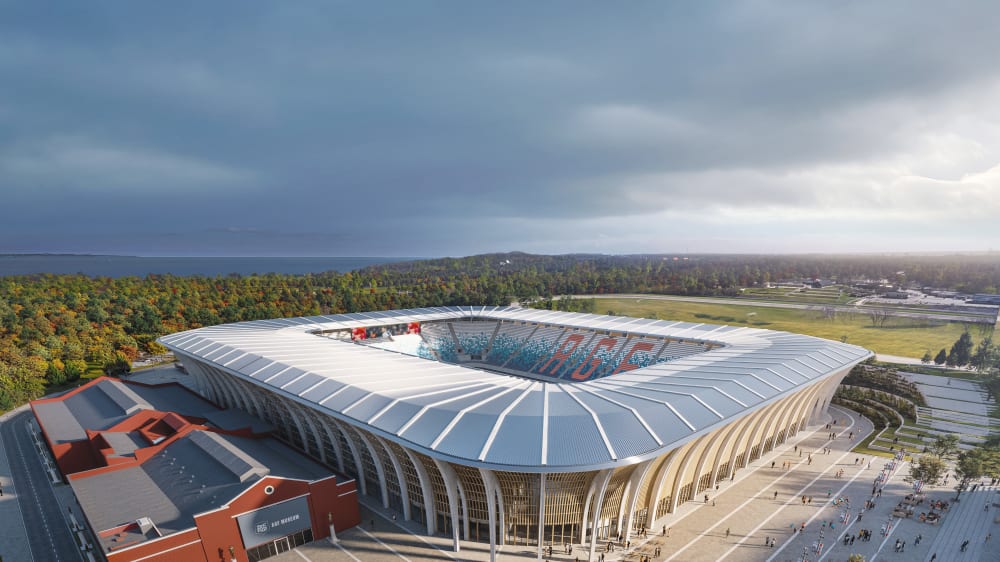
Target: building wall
{"points": [[75, 456], [218, 529]]}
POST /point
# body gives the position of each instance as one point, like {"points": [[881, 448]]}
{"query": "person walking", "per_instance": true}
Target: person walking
{"points": [[727, 533]]}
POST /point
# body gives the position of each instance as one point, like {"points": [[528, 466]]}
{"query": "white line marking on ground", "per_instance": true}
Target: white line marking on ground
{"points": [[757, 498], [394, 551], [43, 460], [840, 537], [818, 512], [304, 557], [437, 547], [892, 529], [34, 494], [14, 491], [347, 552], [815, 515], [799, 493]]}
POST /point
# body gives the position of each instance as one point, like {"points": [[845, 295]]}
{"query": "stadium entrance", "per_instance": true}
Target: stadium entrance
{"points": [[281, 545]]}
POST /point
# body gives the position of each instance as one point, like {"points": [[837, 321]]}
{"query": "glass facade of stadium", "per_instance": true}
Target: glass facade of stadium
{"points": [[467, 503]]}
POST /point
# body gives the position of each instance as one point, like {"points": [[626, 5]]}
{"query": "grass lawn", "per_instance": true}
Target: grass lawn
{"points": [[826, 295], [863, 448], [905, 440], [906, 337]]}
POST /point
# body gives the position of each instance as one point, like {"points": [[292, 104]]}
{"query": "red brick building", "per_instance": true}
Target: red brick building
{"points": [[198, 483]]}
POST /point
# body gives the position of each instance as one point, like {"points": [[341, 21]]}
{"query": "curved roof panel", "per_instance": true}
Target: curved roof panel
{"points": [[485, 418]]}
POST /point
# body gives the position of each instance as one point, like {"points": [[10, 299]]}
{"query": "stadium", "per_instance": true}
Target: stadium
{"points": [[521, 426]]}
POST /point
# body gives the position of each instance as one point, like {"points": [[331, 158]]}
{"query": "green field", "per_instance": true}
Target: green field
{"points": [[826, 295], [906, 337]]}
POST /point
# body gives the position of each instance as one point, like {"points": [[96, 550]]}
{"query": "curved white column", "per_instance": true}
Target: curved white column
{"points": [[450, 478]]}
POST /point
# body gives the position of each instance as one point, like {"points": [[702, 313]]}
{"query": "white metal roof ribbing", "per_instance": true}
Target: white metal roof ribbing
{"points": [[488, 419]]}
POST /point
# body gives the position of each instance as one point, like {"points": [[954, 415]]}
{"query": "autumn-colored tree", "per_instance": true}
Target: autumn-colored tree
{"points": [[118, 366]]}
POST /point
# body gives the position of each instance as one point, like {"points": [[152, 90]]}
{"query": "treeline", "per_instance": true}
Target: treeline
{"points": [[711, 275], [54, 328]]}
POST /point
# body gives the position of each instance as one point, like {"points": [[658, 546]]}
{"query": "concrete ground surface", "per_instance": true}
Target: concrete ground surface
{"points": [[741, 516], [733, 525]]}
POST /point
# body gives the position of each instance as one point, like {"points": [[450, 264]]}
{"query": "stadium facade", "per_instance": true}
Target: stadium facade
{"points": [[521, 426]]}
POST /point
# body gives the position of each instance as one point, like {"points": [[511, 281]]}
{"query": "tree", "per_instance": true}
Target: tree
{"points": [[74, 370], [985, 357], [54, 374], [970, 466], [941, 357], [928, 468], [878, 317], [856, 558], [118, 366], [945, 445], [961, 351], [926, 358], [978, 462]]}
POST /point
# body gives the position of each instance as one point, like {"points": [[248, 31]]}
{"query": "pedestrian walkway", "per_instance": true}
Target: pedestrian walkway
{"points": [[971, 521], [748, 509], [745, 506], [756, 518]]}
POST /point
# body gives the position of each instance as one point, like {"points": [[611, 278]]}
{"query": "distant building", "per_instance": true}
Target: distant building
{"points": [[896, 295], [163, 475], [984, 298]]}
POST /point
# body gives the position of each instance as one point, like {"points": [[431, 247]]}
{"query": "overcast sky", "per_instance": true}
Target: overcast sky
{"points": [[451, 128]]}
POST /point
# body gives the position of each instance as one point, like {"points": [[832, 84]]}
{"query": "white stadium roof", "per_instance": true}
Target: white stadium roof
{"points": [[481, 418]]}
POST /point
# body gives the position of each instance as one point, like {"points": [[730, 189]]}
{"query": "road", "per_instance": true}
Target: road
{"points": [[979, 318], [48, 531]]}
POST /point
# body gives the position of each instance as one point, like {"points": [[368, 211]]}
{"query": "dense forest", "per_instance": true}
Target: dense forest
{"points": [[54, 328], [711, 275]]}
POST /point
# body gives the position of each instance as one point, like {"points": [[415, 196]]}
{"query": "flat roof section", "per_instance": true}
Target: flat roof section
{"points": [[103, 405]]}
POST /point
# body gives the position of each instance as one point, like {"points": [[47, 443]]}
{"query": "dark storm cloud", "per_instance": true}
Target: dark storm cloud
{"points": [[450, 127]]}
